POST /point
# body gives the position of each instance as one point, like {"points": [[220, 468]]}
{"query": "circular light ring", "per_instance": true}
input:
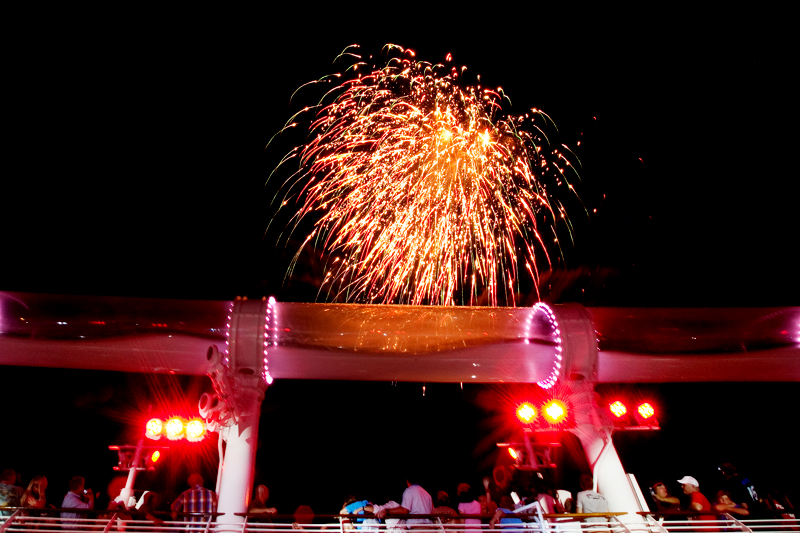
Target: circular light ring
{"points": [[555, 333], [270, 325]]}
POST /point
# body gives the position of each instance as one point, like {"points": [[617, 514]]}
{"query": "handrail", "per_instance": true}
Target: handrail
{"points": [[9, 521], [41, 510], [31, 524]]}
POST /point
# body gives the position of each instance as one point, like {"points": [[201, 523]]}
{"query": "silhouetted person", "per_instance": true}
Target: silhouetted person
{"points": [[197, 499], [691, 487], [78, 497], [416, 500], [589, 500]]}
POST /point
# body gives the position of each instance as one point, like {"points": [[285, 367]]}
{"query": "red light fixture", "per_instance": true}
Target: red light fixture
{"points": [[153, 429], [555, 411], [526, 413], [174, 428], [195, 430], [618, 409], [646, 410]]}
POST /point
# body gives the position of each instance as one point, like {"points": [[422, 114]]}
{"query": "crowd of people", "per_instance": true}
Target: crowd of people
{"points": [[469, 507], [196, 504]]}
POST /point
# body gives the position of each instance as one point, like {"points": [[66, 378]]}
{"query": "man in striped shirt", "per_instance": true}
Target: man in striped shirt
{"points": [[195, 500]]}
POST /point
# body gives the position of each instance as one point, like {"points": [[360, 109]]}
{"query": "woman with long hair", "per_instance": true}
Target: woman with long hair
{"points": [[34, 496]]}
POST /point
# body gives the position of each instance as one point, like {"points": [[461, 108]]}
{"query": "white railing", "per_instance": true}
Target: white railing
{"points": [[551, 524]]}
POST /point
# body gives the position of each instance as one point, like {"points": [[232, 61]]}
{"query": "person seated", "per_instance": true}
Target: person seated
{"points": [[259, 503], [468, 505], [34, 497], [590, 501], [416, 500], [662, 499], [699, 502], [354, 506], [443, 508], [147, 507], [726, 505], [78, 497], [505, 513], [9, 492], [370, 524]]}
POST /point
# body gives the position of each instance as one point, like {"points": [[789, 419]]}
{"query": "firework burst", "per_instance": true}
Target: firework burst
{"points": [[424, 189]]}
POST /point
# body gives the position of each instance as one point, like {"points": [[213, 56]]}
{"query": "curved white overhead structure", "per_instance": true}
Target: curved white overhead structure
{"points": [[410, 343]]}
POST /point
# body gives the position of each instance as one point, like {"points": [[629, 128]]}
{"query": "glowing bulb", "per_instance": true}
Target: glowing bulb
{"points": [[195, 430], [513, 453], [155, 457], [646, 410], [174, 428], [555, 411], [153, 429], [526, 413], [618, 409]]}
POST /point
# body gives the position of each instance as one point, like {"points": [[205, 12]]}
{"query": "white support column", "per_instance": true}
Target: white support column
{"points": [[238, 467], [240, 375], [580, 365], [594, 433]]}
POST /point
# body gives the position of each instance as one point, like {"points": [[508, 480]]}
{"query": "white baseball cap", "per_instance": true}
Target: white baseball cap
{"points": [[689, 480]]}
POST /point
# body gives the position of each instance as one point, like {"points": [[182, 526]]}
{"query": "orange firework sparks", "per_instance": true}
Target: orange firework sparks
{"points": [[426, 189]]}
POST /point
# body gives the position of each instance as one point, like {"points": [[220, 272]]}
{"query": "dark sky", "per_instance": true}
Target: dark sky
{"points": [[136, 162], [139, 165]]}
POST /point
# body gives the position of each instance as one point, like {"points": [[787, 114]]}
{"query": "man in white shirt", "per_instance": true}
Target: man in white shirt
{"points": [[590, 501], [416, 500]]}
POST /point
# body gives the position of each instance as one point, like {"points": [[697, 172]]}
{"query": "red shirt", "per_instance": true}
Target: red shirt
{"points": [[697, 497]]}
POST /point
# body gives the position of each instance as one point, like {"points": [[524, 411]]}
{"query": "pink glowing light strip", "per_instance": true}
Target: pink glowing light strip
{"points": [[556, 369], [271, 322]]}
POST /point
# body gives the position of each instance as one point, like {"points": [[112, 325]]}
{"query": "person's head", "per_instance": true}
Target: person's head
{"points": [[76, 484], [262, 493], [442, 498], [463, 493], [8, 476], [660, 489], [37, 486], [689, 484], [195, 479], [586, 481], [506, 502], [724, 497], [350, 498], [727, 470]]}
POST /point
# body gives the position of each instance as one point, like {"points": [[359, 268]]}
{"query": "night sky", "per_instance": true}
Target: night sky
{"points": [[137, 168]]}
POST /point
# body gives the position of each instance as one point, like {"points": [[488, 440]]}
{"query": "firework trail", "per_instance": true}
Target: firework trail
{"points": [[426, 192]]}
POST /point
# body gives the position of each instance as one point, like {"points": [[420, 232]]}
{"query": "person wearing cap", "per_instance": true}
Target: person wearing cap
{"points": [[691, 487]]}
